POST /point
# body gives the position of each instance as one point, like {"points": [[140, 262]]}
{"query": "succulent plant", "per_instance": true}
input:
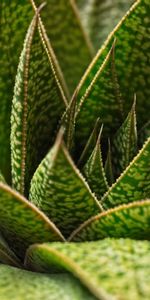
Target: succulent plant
{"points": [[75, 158]]}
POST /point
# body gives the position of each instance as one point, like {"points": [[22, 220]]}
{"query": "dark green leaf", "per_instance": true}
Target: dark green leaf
{"points": [[69, 41], [38, 104], [14, 19], [6, 254], [134, 183], [18, 284], [21, 223], [131, 220], [110, 269], [108, 166], [59, 190], [94, 171]]}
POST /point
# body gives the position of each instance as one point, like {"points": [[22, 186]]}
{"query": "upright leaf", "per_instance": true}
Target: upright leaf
{"points": [[59, 190], [134, 183], [94, 171], [24, 285], [96, 92], [110, 269], [14, 18], [108, 166], [22, 223], [69, 41], [125, 143], [99, 17], [127, 221], [38, 104]]}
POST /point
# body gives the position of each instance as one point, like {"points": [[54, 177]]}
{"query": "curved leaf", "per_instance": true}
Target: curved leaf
{"points": [[70, 43], [134, 183], [12, 15], [110, 269], [24, 285], [97, 90], [38, 104], [6, 254], [22, 224], [59, 190], [131, 220]]}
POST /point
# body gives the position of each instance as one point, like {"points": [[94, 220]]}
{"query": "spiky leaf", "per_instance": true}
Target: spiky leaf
{"points": [[24, 285], [59, 190], [22, 223], [110, 269], [62, 17], [37, 106], [134, 183], [131, 220]]}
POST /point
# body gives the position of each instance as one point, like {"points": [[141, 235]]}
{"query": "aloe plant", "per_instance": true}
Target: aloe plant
{"points": [[74, 150]]}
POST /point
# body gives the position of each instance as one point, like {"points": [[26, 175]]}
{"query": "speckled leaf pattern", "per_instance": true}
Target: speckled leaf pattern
{"points": [[111, 269], [94, 170], [134, 183], [12, 14], [128, 221], [61, 192], [6, 254], [31, 286], [99, 17], [22, 223], [125, 143], [67, 37], [38, 104], [132, 68]]}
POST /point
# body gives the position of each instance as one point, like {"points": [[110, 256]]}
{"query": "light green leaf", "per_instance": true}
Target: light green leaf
{"points": [[6, 254], [131, 220], [99, 17], [12, 14], [59, 190], [110, 269], [94, 171], [38, 104], [96, 92], [70, 43], [22, 223], [125, 143], [134, 183], [24, 285]]}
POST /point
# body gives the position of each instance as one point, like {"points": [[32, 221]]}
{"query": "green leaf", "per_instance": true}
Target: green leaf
{"points": [[2, 179], [100, 17], [38, 104], [69, 41], [110, 269], [22, 224], [134, 183], [131, 220], [144, 133], [6, 254], [96, 92], [94, 171], [12, 14], [59, 190], [24, 285], [125, 143], [108, 166]]}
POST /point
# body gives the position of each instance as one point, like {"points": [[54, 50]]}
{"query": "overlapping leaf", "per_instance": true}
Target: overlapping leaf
{"points": [[24, 285], [38, 104], [14, 18], [97, 92], [69, 42], [99, 17], [22, 223], [59, 190], [134, 183], [110, 269], [131, 220], [6, 254]]}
